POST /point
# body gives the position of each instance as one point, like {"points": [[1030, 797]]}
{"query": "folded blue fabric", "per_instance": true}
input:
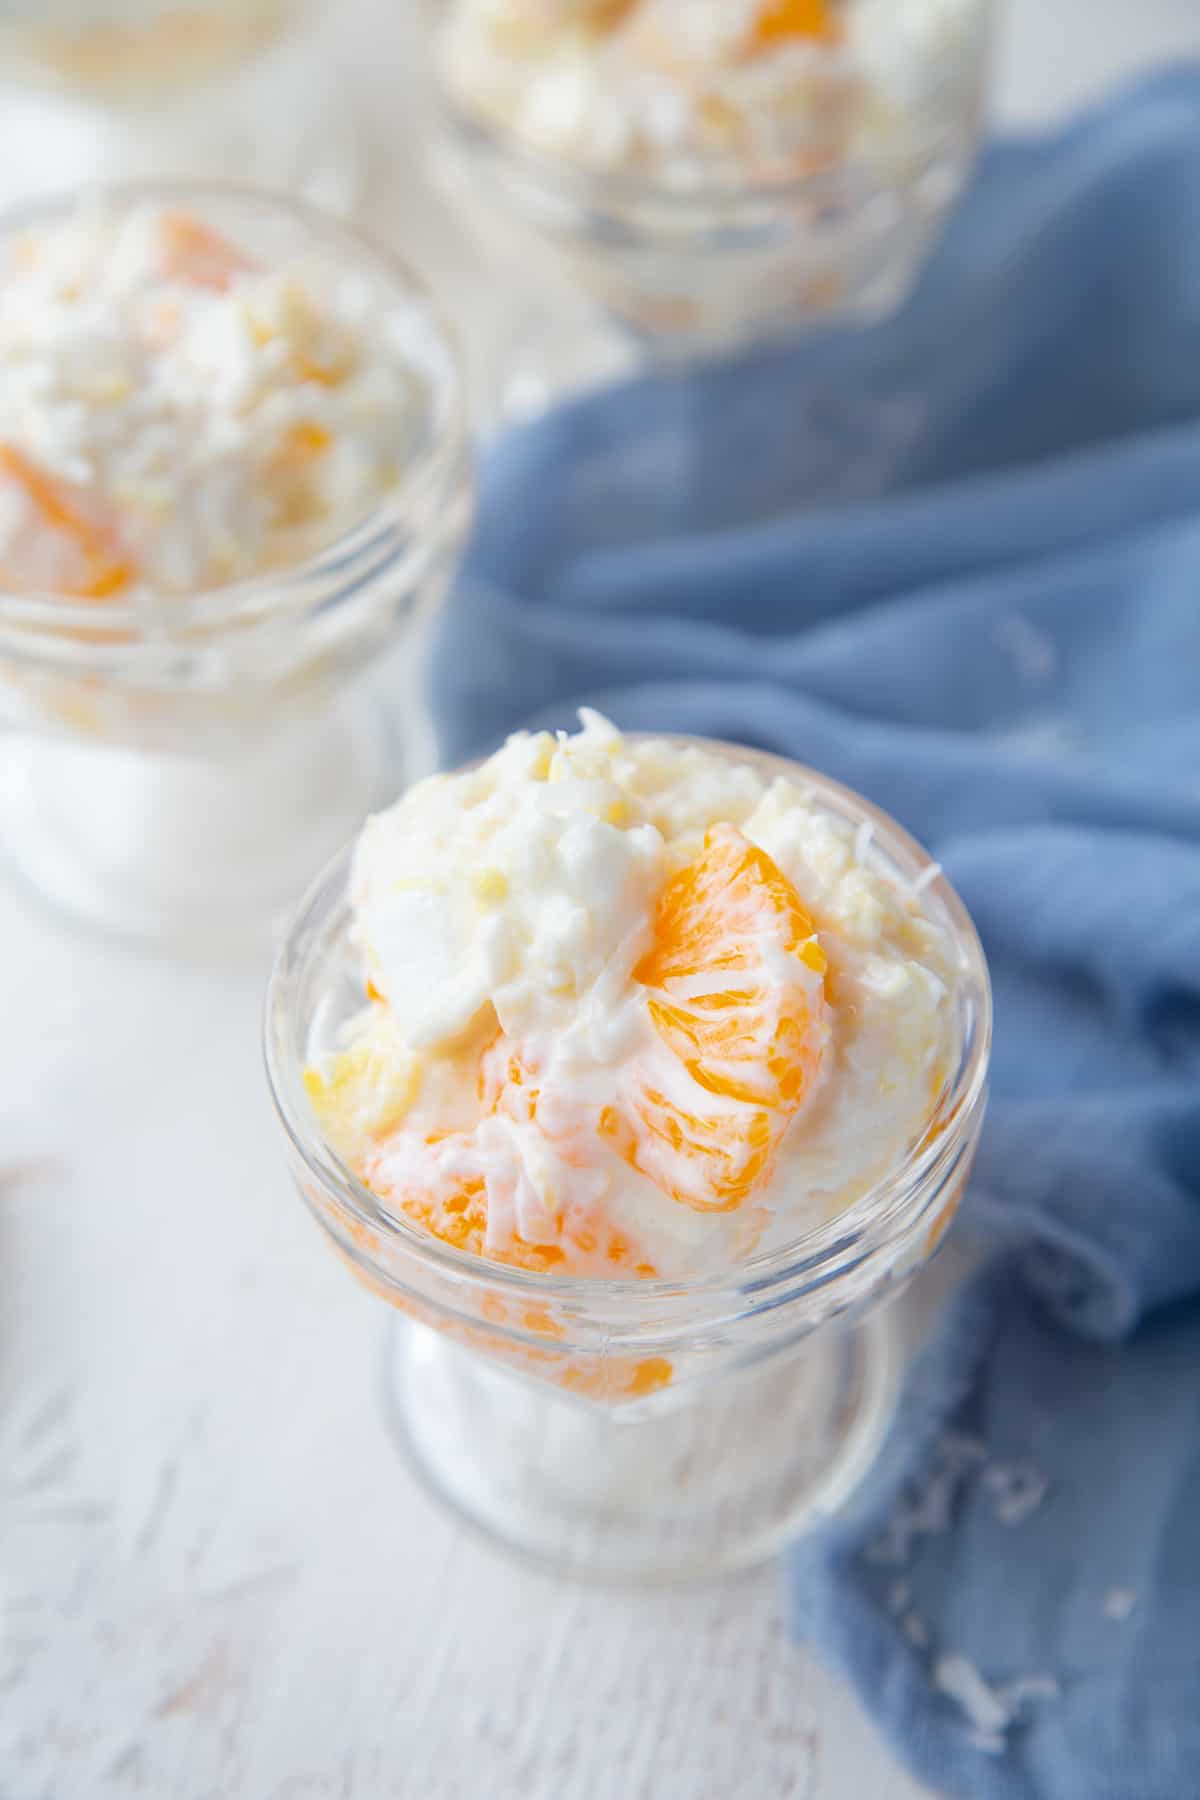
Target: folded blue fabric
{"points": [[955, 561]]}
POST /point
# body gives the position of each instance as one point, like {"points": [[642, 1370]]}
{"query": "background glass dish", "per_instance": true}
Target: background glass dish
{"points": [[103, 90], [649, 1429], [741, 252], [187, 781]]}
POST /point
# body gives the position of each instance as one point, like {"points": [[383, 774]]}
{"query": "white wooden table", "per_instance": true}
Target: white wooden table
{"points": [[217, 1582]]}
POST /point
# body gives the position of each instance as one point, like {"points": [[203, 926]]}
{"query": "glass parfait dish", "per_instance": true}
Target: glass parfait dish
{"points": [[723, 242], [178, 772], [136, 89], [641, 1428]]}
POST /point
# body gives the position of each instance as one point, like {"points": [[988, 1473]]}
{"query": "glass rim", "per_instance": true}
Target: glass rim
{"points": [[607, 192], [41, 617], [883, 1213]]}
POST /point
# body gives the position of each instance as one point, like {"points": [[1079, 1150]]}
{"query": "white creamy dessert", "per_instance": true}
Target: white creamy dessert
{"points": [[672, 89], [178, 412], [126, 49], [632, 1008]]}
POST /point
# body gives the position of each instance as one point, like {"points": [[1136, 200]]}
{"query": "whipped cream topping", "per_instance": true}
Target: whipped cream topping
{"points": [[179, 411], [671, 87], [500, 1072]]}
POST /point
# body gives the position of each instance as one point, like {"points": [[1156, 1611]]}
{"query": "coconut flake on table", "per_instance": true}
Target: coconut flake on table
{"points": [[1119, 1604], [1017, 1490], [930, 1509], [990, 1712]]}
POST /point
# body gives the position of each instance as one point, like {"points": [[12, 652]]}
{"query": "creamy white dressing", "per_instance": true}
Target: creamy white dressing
{"points": [[520, 896]]}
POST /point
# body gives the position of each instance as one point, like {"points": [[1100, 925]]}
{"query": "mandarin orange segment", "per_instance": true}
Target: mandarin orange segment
{"points": [[741, 1028], [505, 1085], [460, 1220], [198, 255], [104, 570], [711, 1164], [607, 15], [453, 1205], [735, 993], [780, 20], [734, 985], [539, 1319], [652, 1373], [618, 1378]]}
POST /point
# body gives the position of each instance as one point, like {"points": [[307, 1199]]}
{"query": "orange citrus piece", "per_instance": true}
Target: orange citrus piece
{"points": [[198, 255], [456, 1212], [459, 1218], [607, 15], [783, 19], [735, 990], [735, 994], [105, 571], [451, 1200]]}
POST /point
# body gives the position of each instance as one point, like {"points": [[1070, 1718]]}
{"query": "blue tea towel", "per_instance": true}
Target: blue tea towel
{"points": [[955, 561]]}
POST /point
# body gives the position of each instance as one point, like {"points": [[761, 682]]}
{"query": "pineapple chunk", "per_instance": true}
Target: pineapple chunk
{"points": [[362, 1093]]}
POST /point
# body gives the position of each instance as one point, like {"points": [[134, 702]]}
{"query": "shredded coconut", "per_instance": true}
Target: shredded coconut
{"points": [[929, 874], [1119, 1604], [1017, 1490], [931, 1509], [962, 1451], [1031, 648], [961, 1681], [991, 1712]]}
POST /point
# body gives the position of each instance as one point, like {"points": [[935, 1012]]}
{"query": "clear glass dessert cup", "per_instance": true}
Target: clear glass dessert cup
{"points": [[631, 266], [133, 89], [640, 1429], [179, 772]]}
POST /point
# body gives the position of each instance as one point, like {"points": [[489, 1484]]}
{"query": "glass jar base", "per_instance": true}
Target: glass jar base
{"points": [[716, 1481], [179, 850]]}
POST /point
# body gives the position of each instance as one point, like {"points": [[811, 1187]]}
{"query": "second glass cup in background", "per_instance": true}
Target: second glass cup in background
{"points": [[180, 777], [645, 254]]}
